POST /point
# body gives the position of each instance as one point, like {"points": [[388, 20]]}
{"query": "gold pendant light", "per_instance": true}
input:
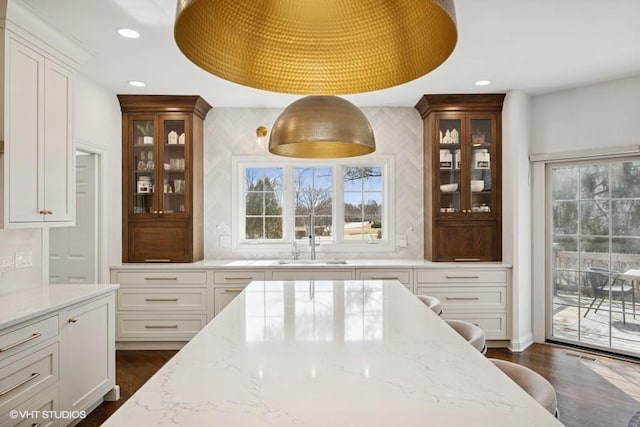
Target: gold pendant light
{"points": [[321, 127], [317, 47]]}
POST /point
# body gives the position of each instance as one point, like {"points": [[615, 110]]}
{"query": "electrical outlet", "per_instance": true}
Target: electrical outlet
{"points": [[6, 261], [24, 259]]}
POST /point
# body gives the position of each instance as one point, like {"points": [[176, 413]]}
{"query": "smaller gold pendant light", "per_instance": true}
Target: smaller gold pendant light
{"points": [[321, 127]]}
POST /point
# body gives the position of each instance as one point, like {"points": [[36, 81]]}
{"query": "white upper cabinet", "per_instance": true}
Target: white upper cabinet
{"points": [[39, 153]]}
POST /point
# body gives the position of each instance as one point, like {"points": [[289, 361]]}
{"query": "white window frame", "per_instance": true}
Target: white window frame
{"points": [[239, 244]]}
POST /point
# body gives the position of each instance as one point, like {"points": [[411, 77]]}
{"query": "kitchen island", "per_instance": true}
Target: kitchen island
{"points": [[57, 352], [329, 353]]}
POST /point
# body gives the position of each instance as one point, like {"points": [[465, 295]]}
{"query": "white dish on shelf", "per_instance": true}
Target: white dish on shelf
{"points": [[477, 185], [448, 188]]}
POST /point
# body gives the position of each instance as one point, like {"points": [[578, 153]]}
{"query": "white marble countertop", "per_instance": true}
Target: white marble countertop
{"points": [[305, 263], [28, 303], [352, 353]]}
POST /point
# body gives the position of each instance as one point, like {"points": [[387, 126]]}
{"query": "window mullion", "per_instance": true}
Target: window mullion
{"points": [[338, 206], [288, 202]]}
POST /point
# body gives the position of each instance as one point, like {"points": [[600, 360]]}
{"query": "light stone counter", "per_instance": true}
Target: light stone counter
{"points": [[305, 263], [325, 353], [24, 304]]}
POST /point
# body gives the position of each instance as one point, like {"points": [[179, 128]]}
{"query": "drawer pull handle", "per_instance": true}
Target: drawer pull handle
{"points": [[15, 344], [462, 277], [160, 278], [72, 320], [36, 425], [466, 259], [21, 383], [463, 298], [384, 278], [232, 291], [238, 278], [161, 299], [161, 326], [157, 260]]}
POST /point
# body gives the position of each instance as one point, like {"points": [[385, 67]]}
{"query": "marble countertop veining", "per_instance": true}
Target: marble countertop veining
{"points": [[28, 303], [330, 354]]}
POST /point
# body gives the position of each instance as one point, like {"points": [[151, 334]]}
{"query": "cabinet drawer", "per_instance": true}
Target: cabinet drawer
{"points": [[461, 276], [45, 401], [159, 327], [27, 376], [313, 275], [235, 277], [27, 336], [403, 276], [224, 296], [169, 299], [468, 297], [495, 326], [162, 277]]}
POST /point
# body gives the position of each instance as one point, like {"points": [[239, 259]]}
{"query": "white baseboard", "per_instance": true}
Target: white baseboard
{"points": [[113, 395], [517, 346]]}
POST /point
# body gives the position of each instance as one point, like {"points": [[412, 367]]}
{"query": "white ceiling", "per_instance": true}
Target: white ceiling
{"points": [[538, 46]]}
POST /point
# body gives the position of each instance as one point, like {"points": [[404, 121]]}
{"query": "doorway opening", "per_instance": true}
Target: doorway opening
{"points": [[74, 254]]}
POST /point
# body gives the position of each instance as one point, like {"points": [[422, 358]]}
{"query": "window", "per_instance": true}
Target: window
{"points": [[263, 203], [346, 200], [314, 195], [594, 245], [363, 195]]}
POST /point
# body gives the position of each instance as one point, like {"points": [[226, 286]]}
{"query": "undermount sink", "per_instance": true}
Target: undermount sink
{"points": [[312, 261]]}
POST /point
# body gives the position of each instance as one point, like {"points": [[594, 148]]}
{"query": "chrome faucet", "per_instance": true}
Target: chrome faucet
{"points": [[294, 250], [312, 237]]}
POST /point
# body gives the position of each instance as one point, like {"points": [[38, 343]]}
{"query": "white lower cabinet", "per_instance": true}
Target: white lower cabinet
{"points": [[313, 274], [479, 296], [62, 361], [403, 275], [160, 308], [48, 400], [88, 360], [229, 283]]}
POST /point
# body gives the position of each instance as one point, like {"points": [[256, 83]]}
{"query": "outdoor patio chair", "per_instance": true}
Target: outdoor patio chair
{"points": [[605, 283]]}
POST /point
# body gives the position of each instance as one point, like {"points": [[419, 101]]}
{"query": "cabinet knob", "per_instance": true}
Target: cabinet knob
{"points": [[49, 212], [72, 320], [42, 212]]}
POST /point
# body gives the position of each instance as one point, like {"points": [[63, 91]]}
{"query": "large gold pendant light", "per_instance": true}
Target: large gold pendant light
{"points": [[317, 47], [321, 127]]}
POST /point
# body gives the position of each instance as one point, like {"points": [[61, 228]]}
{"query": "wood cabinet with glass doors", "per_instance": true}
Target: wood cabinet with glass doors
{"points": [[162, 213], [462, 177]]}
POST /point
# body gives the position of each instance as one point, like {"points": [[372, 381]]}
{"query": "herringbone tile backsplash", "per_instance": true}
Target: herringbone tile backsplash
{"points": [[231, 132]]}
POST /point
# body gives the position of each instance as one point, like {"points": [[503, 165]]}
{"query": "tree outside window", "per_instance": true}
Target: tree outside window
{"points": [[263, 203]]}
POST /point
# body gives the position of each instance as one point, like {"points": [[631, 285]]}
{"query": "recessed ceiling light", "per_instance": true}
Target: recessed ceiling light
{"points": [[137, 83], [128, 33], [483, 82]]}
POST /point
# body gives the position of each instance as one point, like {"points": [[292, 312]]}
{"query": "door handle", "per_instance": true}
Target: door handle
{"points": [[21, 383], [23, 341]]}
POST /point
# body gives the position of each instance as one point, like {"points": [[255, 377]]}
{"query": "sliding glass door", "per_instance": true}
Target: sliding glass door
{"points": [[594, 254]]}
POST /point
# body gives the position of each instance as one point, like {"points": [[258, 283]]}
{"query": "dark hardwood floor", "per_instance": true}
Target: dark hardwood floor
{"points": [[133, 369], [592, 390]]}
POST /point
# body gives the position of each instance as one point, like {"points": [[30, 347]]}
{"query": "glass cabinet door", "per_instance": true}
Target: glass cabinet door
{"points": [[480, 144], [143, 167], [174, 184], [450, 161]]}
